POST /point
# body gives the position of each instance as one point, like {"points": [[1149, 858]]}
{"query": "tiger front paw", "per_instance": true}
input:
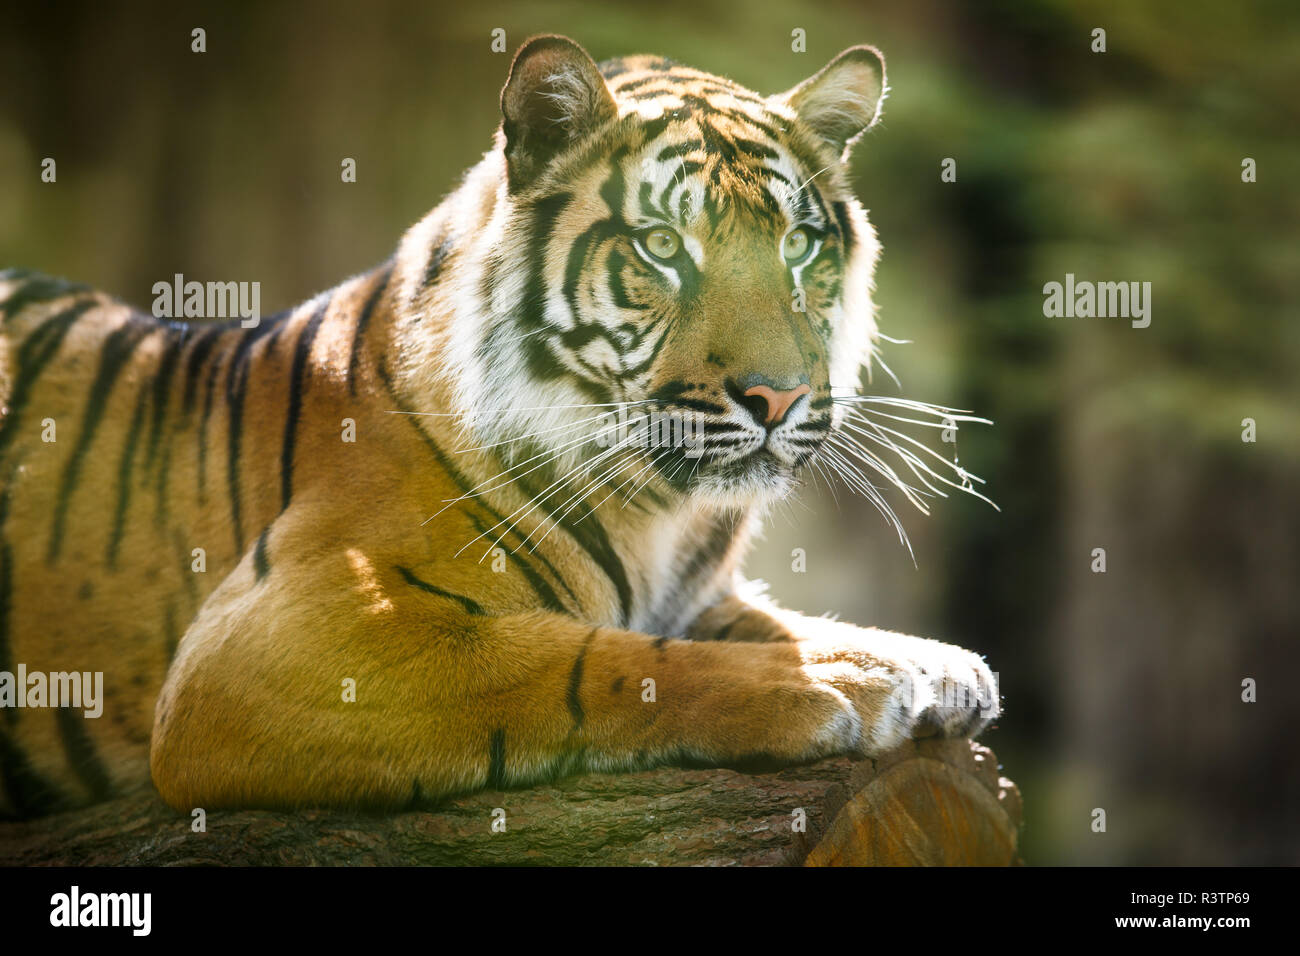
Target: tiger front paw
{"points": [[902, 687]]}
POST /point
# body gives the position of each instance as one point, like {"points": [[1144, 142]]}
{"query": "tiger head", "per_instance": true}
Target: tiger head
{"points": [[668, 244]]}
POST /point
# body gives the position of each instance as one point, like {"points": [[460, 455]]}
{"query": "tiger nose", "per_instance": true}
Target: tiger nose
{"points": [[776, 401]]}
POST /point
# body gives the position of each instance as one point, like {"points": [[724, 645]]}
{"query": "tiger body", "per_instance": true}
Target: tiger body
{"points": [[497, 590]]}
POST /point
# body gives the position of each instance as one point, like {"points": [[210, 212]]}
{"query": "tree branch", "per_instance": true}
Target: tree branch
{"points": [[931, 802]]}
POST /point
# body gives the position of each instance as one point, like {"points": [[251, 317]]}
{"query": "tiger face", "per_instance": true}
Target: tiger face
{"points": [[690, 272]]}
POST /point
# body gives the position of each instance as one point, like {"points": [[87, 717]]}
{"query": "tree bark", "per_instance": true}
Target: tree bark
{"points": [[931, 802]]}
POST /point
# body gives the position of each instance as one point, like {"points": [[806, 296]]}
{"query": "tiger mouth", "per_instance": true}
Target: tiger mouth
{"points": [[755, 469], [757, 464]]}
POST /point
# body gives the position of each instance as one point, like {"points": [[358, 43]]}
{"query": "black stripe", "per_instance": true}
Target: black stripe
{"points": [[33, 355], [363, 322], [124, 469], [714, 548], [170, 634], [543, 364], [590, 535], [275, 338], [496, 778], [433, 268], [472, 606], [199, 353], [824, 218], [301, 356], [261, 563], [162, 509], [582, 334], [614, 263], [39, 288], [585, 244], [575, 682], [81, 754], [546, 213], [236, 386], [116, 351], [737, 93], [208, 391], [644, 366], [167, 366], [722, 634], [539, 585], [699, 405], [771, 175], [685, 169], [464, 486], [645, 198], [680, 150], [672, 391], [636, 84], [613, 191], [845, 223], [161, 398], [27, 790]]}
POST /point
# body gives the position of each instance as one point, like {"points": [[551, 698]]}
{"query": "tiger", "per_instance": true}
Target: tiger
{"points": [[371, 552]]}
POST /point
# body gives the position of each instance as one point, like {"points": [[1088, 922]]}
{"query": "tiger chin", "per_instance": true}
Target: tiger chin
{"points": [[373, 551]]}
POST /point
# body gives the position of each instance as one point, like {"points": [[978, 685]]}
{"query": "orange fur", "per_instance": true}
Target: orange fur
{"points": [[614, 644]]}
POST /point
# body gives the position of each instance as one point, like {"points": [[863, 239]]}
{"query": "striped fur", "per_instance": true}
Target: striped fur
{"points": [[503, 591]]}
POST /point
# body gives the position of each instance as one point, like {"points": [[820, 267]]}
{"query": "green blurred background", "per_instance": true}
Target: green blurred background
{"points": [[1123, 689]]}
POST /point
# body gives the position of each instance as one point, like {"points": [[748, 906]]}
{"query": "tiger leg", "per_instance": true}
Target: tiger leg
{"points": [[288, 697], [953, 691]]}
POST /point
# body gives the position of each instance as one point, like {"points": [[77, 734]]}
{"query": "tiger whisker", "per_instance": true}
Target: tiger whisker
{"points": [[518, 338], [618, 487], [575, 500], [512, 522], [873, 434], [527, 435], [512, 410], [550, 455], [818, 471], [960, 472], [947, 423], [582, 468], [809, 180], [913, 404], [878, 465], [909, 459], [893, 341], [854, 478], [919, 467], [650, 477], [885, 367]]}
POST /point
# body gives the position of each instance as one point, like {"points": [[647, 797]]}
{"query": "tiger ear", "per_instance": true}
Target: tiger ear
{"points": [[554, 96], [842, 101]]}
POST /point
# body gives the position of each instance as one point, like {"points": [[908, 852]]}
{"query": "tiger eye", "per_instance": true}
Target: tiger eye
{"points": [[663, 243], [795, 246]]}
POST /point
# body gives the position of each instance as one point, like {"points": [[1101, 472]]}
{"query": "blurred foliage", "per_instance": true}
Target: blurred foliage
{"points": [[1122, 690]]}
